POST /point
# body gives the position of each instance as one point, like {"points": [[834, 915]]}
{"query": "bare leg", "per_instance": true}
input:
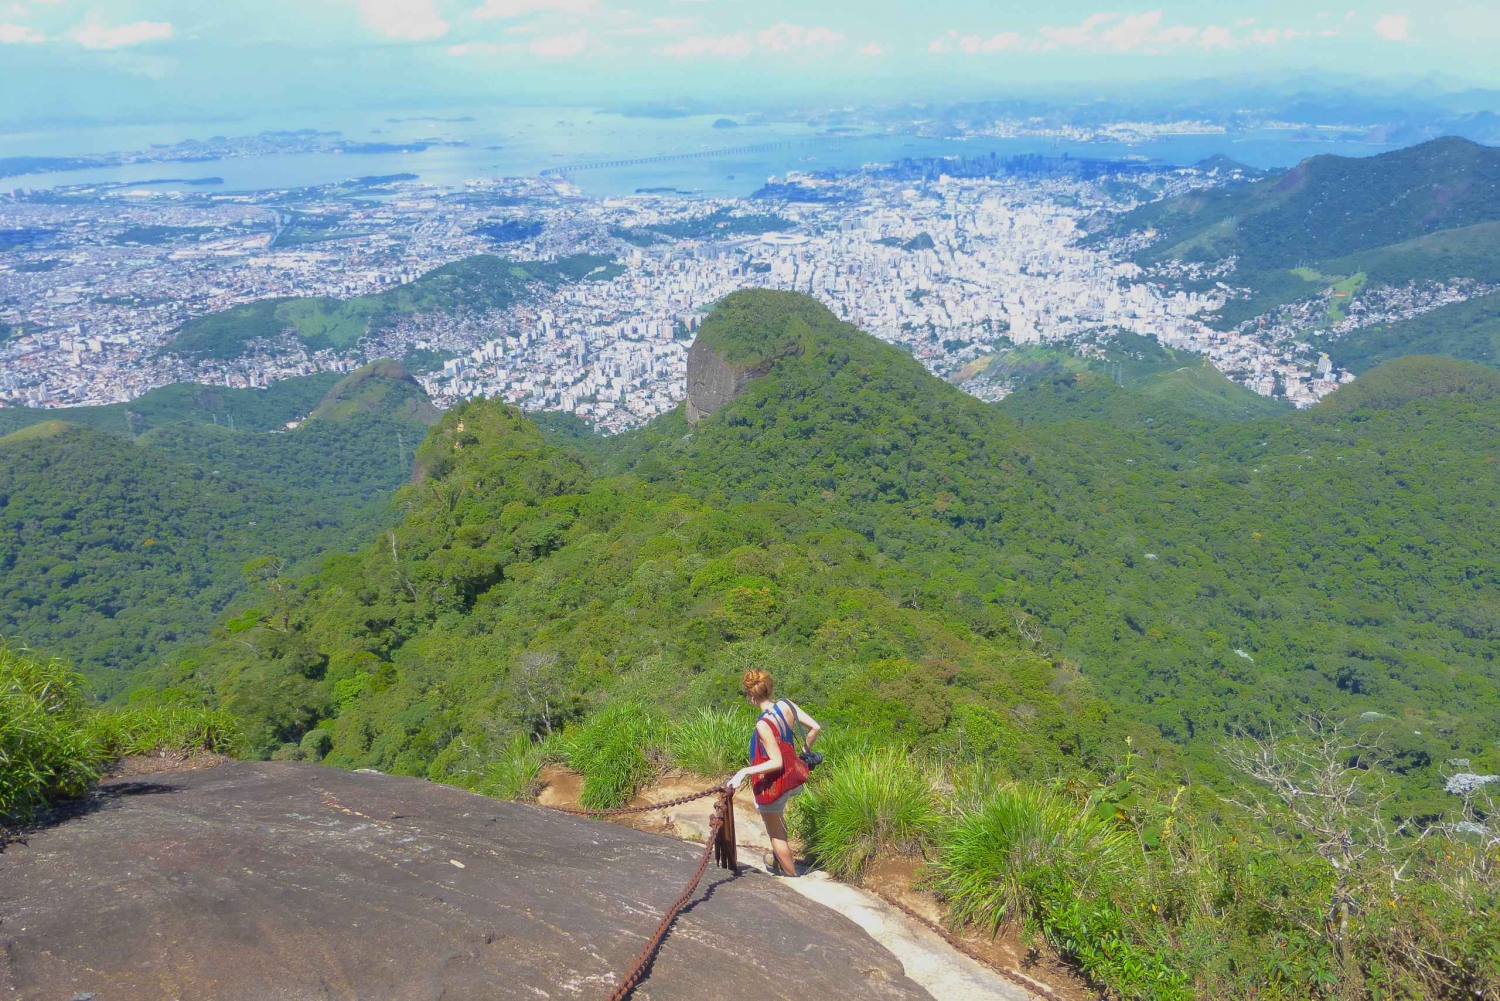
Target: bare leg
{"points": [[776, 828]]}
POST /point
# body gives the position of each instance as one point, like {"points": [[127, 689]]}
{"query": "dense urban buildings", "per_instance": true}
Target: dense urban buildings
{"points": [[952, 260]]}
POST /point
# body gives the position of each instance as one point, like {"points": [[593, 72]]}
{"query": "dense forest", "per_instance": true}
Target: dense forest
{"points": [[113, 548]]}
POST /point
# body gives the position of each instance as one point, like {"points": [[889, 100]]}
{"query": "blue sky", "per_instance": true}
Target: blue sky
{"points": [[72, 58]]}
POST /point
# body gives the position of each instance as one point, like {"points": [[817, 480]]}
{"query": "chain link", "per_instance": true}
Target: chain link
{"points": [[722, 821]]}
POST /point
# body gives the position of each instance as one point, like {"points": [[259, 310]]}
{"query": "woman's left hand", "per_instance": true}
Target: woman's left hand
{"points": [[737, 780]]}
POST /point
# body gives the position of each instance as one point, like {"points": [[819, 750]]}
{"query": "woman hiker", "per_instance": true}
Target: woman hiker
{"points": [[777, 770]]}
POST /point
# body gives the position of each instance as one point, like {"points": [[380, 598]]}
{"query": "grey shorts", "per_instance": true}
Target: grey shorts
{"points": [[779, 805]]}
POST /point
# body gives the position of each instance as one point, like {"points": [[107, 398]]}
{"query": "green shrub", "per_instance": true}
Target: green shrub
{"points": [[516, 773], [612, 750], [711, 743], [858, 804], [46, 748], [993, 857], [316, 744]]}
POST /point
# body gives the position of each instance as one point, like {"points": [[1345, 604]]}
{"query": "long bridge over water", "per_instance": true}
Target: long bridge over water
{"points": [[765, 147]]}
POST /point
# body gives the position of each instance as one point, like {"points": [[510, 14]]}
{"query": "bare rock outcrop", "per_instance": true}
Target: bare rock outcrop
{"points": [[276, 879], [712, 382]]}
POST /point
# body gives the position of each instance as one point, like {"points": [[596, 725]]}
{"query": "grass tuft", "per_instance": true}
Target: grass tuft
{"points": [[856, 805], [711, 743], [46, 748], [172, 729], [611, 750], [517, 773], [1005, 858]]}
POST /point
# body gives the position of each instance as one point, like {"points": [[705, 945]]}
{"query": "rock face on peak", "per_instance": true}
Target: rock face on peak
{"points": [[260, 880], [713, 382], [746, 335]]}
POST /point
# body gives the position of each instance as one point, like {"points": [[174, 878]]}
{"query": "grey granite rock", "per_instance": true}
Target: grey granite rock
{"points": [[287, 880]]}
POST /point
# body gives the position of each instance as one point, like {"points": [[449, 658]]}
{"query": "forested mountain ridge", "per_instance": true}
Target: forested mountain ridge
{"points": [[1427, 213], [115, 548], [268, 409], [916, 563], [1330, 207]]}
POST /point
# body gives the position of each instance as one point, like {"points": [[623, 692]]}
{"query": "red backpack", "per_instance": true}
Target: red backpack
{"points": [[771, 786]]}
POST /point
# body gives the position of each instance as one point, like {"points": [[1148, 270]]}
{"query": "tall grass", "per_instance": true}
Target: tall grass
{"points": [[611, 750], [711, 743], [167, 728], [517, 773], [1032, 857], [46, 748], [995, 860], [856, 805]]}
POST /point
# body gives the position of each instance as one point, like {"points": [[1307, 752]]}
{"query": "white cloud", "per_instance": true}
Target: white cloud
{"points": [[408, 20], [1216, 37], [1393, 27], [777, 38], [559, 46], [1133, 31], [474, 49], [872, 49], [973, 44], [15, 34], [96, 36], [1082, 34], [519, 8], [1177, 36], [780, 37], [726, 46], [1141, 32], [657, 26]]}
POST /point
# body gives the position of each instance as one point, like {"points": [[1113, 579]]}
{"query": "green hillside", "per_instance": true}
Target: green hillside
{"points": [[115, 549], [474, 284], [1428, 212], [1468, 331], [247, 409], [1226, 574], [1329, 207]]}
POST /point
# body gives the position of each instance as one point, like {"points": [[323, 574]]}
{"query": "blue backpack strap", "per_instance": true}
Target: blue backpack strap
{"points": [[778, 721]]}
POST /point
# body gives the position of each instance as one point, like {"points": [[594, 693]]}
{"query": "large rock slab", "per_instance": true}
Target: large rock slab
{"points": [[712, 382], [288, 881]]}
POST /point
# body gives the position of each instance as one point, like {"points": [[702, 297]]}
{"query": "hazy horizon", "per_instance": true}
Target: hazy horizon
{"points": [[68, 64]]}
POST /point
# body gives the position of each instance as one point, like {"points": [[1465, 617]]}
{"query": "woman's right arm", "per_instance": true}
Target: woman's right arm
{"points": [[773, 756]]}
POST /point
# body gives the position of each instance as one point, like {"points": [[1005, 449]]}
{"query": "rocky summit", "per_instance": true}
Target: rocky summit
{"points": [[284, 880]]}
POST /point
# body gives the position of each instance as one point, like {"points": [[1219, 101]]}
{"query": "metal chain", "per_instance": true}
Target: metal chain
{"points": [[632, 977], [711, 848], [623, 810], [1015, 977]]}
